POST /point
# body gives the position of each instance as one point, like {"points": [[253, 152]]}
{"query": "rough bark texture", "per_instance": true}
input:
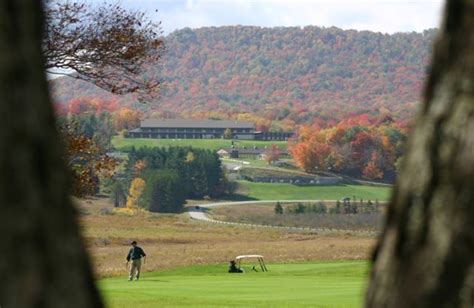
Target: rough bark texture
{"points": [[43, 262], [426, 255]]}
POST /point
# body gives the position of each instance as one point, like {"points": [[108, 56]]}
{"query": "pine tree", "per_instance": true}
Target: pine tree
{"points": [[278, 208], [163, 192]]}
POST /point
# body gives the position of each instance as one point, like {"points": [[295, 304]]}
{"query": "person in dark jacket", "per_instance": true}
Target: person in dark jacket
{"points": [[233, 268], [135, 256]]}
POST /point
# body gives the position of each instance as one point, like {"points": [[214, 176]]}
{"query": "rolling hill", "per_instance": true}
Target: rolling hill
{"points": [[285, 72]]}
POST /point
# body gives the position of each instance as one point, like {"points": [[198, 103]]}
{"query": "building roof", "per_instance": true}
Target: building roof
{"points": [[251, 151], [182, 123]]}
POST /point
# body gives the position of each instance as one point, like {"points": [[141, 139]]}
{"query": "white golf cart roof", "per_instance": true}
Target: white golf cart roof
{"points": [[258, 257], [248, 256]]}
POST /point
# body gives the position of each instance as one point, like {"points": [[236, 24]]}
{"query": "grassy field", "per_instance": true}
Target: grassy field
{"points": [[172, 241], [121, 143], [186, 262], [264, 214], [247, 162], [269, 171], [326, 284], [268, 191]]}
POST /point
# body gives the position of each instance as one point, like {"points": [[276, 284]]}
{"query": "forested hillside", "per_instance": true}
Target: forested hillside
{"points": [[287, 74]]}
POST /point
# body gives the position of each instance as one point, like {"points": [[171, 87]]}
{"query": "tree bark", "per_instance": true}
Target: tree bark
{"points": [[426, 255], [43, 262]]}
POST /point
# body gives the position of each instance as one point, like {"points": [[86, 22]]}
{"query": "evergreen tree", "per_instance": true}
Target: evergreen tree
{"points": [[118, 194], [337, 208], [300, 208], [278, 208], [163, 192], [200, 173], [320, 208]]}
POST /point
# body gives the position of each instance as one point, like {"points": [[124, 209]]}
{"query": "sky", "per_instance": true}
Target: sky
{"points": [[387, 16]]}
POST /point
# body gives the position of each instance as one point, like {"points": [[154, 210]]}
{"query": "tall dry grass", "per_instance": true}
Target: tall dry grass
{"points": [[175, 240]]}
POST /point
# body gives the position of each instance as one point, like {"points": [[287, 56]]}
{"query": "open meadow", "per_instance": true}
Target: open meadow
{"points": [[172, 241], [186, 262]]}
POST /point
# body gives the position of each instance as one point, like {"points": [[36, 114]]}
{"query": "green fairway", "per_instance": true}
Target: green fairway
{"points": [[329, 284], [211, 144], [268, 191]]}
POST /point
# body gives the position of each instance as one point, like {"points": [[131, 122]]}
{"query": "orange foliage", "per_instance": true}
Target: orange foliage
{"points": [[87, 161], [371, 171], [361, 146], [126, 118]]}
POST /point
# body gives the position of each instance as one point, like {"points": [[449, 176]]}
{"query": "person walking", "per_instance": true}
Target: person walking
{"points": [[135, 256]]}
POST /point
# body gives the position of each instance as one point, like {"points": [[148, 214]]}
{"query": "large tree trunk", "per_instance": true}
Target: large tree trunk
{"points": [[426, 255], [43, 262]]}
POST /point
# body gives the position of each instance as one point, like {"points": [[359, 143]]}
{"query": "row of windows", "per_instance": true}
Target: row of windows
{"points": [[184, 136], [202, 136], [195, 130]]}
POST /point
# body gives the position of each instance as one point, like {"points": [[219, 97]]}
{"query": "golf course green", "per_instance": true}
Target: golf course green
{"points": [[274, 191], [325, 284]]}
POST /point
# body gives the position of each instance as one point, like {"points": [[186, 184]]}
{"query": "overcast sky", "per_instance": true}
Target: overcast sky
{"points": [[377, 15]]}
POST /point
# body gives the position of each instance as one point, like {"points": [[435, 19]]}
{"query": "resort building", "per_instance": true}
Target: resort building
{"points": [[202, 129]]}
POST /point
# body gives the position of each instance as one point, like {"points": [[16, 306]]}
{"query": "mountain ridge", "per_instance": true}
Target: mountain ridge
{"points": [[283, 72]]}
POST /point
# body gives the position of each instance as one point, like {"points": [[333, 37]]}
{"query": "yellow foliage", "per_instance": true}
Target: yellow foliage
{"points": [[124, 210], [190, 157], [135, 192], [130, 211]]}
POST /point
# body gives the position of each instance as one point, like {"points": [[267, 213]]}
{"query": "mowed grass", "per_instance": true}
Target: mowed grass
{"points": [[121, 143], [326, 284], [269, 191]]}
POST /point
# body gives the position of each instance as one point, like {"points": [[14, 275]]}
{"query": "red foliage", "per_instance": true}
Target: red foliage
{"points": [[313, 75], [367, 150], [84, 105], [371, 170]]}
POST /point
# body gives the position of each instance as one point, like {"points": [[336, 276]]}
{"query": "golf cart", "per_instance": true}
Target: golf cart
{"points": [[263, 267]]}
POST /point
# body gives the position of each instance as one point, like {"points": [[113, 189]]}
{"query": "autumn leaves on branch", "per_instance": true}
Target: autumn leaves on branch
{"points": [[106, 45]]}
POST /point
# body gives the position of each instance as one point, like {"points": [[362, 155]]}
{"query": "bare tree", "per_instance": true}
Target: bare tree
{"points": [[106, 45], [43, 261], [272, 154], [426, 255]]}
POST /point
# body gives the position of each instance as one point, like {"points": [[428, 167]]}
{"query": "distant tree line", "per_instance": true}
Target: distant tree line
{"points": [[97, 119], [87, 126], [345, 207], [169, 176], [285, 75], [359, 146]]}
